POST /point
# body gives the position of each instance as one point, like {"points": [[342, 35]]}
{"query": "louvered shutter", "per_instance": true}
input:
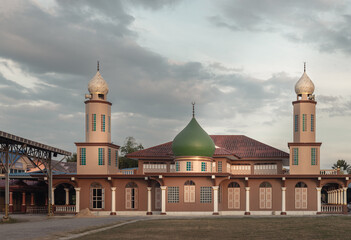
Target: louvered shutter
{"points": [[304, 198], [186, 194], [135, 198], [158, 198], [128, 198], [236, 198], [262, 198], [192, 193], [103, 198], [230, 198], [269, 198], [297, 198]]}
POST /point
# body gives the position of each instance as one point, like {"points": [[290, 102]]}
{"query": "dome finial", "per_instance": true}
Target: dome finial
{"points": [[304, 66], [193, 103], [98, 66]]}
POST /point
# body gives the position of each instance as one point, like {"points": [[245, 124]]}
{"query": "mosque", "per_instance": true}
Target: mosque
{"points": [[197, 173]]}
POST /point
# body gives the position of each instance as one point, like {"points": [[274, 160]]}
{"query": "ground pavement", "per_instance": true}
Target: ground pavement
{"points": [[43, 227]]}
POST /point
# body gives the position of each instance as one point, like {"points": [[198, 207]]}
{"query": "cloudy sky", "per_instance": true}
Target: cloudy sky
{"points": [[238, 60]]}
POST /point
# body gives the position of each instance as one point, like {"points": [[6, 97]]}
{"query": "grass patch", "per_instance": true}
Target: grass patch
{"points": [[333, 227]]}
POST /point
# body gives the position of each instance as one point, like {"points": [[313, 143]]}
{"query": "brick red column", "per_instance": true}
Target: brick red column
{"points": [[23, 207], [11, 203]]}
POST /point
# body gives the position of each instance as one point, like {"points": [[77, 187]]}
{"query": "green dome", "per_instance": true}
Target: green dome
{"points": [[193, 141]]}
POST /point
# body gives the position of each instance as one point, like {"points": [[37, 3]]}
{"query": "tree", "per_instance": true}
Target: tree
{"points": [[72, 158], [130, 145], [342, 164]]}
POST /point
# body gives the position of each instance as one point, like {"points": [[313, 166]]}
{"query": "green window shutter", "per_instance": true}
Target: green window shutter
{"points": [[304, 119], [312, 123], [296, 123], [296, 156], [87, 121], [109, 156], [94, 122], [203, 166], [101, 156], [313, 156], [102, 123], [116, 160], [83, 156]]}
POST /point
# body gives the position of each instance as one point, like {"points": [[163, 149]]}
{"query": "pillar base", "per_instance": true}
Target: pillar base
{"points": [[5, 219], [163, 213], [113, 213], [247, 213], [23, 209], [149, 213], [283, 213], [319, 213]]}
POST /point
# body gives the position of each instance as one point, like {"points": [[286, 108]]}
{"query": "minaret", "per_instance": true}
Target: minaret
{"points": [[97, 155], [304, 150]]}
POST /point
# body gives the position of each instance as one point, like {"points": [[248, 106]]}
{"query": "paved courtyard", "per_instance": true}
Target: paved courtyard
{"points": [[42, 227]]}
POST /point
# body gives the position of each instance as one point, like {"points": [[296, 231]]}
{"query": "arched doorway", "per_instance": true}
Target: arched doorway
{"points": [[333, 198], [64, 198]]}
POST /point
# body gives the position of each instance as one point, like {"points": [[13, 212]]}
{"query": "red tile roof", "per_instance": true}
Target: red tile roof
{"points": [[226, 145]]}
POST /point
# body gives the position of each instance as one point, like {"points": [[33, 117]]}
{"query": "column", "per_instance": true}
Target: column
{"points": [[67, 196], [163, 200], [113, 201], [149, 210], [340, 199], [327, 197], [247, 201], [319, 200], [215, 200], [23, 207], [77, 199], [283, 201], [53, 196], [345, 195], [32, 199], [10, 203]]}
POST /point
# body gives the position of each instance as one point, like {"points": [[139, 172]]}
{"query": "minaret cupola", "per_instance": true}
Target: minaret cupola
{"points": [[304, 88], [97, 87]]}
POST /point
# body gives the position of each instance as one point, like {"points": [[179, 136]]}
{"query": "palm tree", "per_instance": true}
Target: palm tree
{"points": [[342, 164]]}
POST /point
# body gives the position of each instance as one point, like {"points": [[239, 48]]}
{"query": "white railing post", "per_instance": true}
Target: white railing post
{"points": [[215, 200], [113, 201], [149, 211], [345, 195], [67, 195], [163, 200], [77, 199], [319, 199], [283, 201], [247, 200]]}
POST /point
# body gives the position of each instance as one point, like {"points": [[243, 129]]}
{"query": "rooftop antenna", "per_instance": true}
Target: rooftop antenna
{"points": [[304, 66], [193, 103], [98, 66]]}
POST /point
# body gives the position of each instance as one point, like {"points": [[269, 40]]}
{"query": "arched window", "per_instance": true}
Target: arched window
{"points": [[189, 192], [265, 193], [233, 185], [189, 182], [131, 195], [233, 195], [300, 185], [265, 185], [300, 195], [97, 196]]}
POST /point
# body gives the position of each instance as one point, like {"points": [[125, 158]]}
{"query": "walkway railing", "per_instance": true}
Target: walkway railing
{"points": [[36, 209], [329, 172], [65, 208], [332, 209]]}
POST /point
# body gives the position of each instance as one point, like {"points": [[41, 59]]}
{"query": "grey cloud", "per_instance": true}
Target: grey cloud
{"points": [[324, 24]]}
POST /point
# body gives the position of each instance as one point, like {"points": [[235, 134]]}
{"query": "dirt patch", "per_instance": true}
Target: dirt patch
{"points": [[85, 213]]}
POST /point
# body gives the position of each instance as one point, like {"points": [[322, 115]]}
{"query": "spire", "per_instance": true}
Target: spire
{"points": [[193, 103], [98, 66], [304, 67]]}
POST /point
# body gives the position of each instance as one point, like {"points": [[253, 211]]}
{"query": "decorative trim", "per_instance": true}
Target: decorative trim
{"points": [[82, 144], [98, 101], [292, 144]]}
